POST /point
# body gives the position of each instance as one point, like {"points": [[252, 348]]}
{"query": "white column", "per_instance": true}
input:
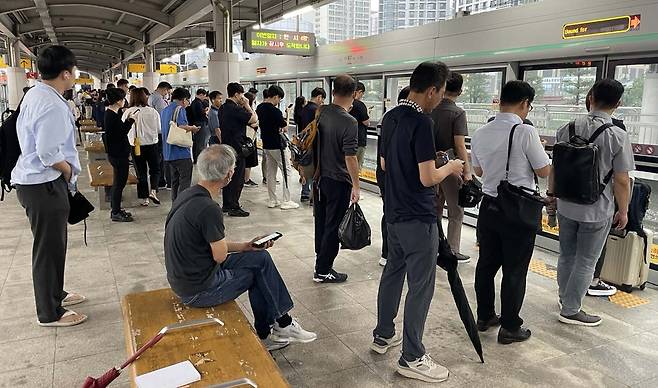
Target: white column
{"points": [[222, 69], [649, 115], [16, 81], [151, 80]]}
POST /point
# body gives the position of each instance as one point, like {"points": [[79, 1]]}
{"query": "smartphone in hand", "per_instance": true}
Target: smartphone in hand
{"points": [[260, 243]]}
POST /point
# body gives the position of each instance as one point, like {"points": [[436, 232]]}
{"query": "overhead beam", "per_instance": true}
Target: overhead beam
{"points": [[9, 30], [44, 14], [104, 51], [16, 5], [74, 23], [89, 40], [153, 14]]}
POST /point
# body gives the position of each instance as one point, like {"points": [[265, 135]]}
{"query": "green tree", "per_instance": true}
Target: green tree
{"points": [[576, 83], [475, 89], [633, 94], [537, 82]]}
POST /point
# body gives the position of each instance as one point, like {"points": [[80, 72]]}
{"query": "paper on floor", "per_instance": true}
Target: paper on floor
{"points": [[172, 376]]}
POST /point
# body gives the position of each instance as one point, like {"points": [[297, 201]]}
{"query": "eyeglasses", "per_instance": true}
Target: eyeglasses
{"points": [[531, 107]]}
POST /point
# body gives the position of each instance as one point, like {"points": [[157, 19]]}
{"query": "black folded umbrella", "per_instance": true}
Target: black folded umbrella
{"points": [[447, 260]]}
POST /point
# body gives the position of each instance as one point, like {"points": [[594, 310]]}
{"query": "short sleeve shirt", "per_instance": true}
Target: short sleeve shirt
{"points": [[194, 222], [233, 121], [338, 138], [616, 154], [407, 140], [308, 114], [173, 152], [449, 121], [270, 120], [360, 112], [489, 152]]}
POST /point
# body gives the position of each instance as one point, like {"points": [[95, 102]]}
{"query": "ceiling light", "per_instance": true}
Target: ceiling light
{"points": [[298, 11]]}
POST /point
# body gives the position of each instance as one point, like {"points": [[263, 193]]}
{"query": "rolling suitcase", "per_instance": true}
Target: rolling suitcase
{"points": [[627, 261]]}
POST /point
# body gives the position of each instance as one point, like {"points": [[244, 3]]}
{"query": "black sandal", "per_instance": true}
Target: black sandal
{"points": [[155, 199]]}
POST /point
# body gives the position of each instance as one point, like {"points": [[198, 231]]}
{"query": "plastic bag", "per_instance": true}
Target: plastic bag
{"points": [[354, 231]]}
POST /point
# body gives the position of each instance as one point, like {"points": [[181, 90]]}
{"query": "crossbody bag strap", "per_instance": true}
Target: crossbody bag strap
{"points": [[509, 150], [175, 117], [572, 129]]}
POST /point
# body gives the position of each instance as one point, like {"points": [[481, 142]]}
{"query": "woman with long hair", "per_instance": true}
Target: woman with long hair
{"points": [[252, 160], [300, 102], [143, 138]]}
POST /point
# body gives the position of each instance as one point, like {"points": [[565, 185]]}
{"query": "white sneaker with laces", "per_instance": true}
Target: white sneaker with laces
{"points": [[382, 261], [289, 205], [272, 344], [381, 344], [273, 204], [292, 333], [424, 369]]}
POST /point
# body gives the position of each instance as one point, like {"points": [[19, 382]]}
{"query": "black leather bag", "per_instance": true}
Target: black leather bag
{"points": [[470, 194], [247, 147], [522, 206], [80, 208]]}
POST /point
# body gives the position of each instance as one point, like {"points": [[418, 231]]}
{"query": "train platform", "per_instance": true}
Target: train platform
{"points": [[125, 258]]}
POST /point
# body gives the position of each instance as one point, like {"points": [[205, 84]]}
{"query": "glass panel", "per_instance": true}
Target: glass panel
{"points": [[560, 96], [290, 90], [480, 96], [394, 85], [308, 86], [373, 98]]}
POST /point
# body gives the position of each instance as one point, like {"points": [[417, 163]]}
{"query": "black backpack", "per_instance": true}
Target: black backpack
{"points": [[10, 150], [576, 166], [638, 206]]}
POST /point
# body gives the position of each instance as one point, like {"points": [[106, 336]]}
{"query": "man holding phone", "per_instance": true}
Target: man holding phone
{"points": [[204, 269]]}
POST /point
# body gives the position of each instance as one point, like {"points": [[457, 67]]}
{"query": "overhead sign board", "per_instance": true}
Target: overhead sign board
{"points": [[84, 81], [136, 67], [26, 63], [606, 26], [141, 68], [278, 42], [261, 70], [166, 68]]}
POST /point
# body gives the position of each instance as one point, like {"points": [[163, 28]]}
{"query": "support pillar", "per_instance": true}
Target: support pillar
{"points": [[16, 79], [649, 113], [151, 77], [223, 66]]}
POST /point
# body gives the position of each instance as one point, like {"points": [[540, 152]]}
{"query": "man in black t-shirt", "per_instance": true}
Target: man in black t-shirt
{"points": [[318, 95], [235, 115], [408, 158], [199, 118], [204, 269], [360, 112]]}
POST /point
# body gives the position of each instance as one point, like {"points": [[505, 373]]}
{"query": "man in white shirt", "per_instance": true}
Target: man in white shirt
{"points": [[46, 171], [502, 242], [158, 102]]}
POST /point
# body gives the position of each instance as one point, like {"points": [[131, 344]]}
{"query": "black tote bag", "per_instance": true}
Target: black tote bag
{"points": [[522, 206]]}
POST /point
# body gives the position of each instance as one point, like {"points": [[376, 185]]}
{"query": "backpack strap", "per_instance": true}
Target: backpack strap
{"points": [[572, 129], [598, 131]]}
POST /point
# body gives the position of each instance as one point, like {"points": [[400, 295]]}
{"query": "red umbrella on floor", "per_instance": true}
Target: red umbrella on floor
{"points": [[112, 374]]}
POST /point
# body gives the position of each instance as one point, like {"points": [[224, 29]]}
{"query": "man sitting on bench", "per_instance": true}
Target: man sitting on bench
{"points": [[204, 269]]}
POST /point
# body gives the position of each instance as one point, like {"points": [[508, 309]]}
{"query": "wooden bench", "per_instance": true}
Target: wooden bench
{"points": [[95, 150], [100, 178], [87, 122], [90, 129], [219, 353]]}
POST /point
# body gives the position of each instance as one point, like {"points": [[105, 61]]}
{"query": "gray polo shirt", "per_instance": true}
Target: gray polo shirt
{"points": [[489, 152], [616, 153], [449, 121], [338, 138]]}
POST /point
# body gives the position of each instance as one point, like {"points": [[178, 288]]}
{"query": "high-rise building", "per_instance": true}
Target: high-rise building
{"points": [[343, 19], [478, 6], [395, 14]]}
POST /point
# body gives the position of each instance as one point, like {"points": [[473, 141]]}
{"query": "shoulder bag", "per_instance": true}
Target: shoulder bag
{"points": [[522, 206], [178, 136]]}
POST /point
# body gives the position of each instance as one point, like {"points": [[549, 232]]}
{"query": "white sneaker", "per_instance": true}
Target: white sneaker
{"points": [[272, 344], [381, 344], [292, 333], [289, 205], [382, 261], [424, 369], [273, 204]]}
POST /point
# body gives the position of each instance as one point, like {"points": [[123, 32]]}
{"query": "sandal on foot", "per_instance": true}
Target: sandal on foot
{"points": [[155, 199], [70, 318], [73, 298]]}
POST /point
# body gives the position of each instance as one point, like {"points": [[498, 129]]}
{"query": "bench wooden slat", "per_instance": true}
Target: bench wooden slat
{"points": [[101, 174], [220, 353], [90, 129], [95, 146]]}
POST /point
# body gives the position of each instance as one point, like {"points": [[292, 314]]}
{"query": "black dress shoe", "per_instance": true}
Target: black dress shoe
{"points": [[491, 322], [506, 337], [238, 213]]}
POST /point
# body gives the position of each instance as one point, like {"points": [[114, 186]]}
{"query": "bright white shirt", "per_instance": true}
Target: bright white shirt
{"points": [[74, 109], [46, 134], [147, 125], [489, 152]]}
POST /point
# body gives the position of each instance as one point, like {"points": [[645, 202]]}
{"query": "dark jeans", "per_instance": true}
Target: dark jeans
{"points": [[231, 193], [47, 209], [384, 227], [254, 272], [148, 157], [120, 168], [181, 176], [165, 174], [506, 246], [330, 205], [413, 249], [200, 141]]}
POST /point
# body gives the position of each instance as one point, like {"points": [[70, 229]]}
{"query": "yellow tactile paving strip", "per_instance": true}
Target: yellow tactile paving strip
{"points": [[627, 300], [621, 298]]}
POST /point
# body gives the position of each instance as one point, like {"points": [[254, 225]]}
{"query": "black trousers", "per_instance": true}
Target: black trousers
{"points": [[147, 165], [120, 168], [47, 209], [181, 176], [165, 174], [330, 203], [231, 193], [501, 245], [383, 225], [200, 141]]}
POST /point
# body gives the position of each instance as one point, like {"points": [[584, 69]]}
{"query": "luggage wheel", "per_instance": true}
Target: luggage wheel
{"points": [[627, 288]]}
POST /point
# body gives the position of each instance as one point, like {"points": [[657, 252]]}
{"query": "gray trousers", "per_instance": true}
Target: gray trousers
{"points": [[448, 191], [581, 244], [47, 209], [274, 163], [412, 250], [181, 176]]}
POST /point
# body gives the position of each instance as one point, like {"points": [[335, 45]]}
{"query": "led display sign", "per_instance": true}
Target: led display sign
{"points": [[613, 25], [278, 42]]}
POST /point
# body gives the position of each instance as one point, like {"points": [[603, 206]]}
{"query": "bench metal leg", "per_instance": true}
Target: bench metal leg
{"points": [[235, 383]]}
